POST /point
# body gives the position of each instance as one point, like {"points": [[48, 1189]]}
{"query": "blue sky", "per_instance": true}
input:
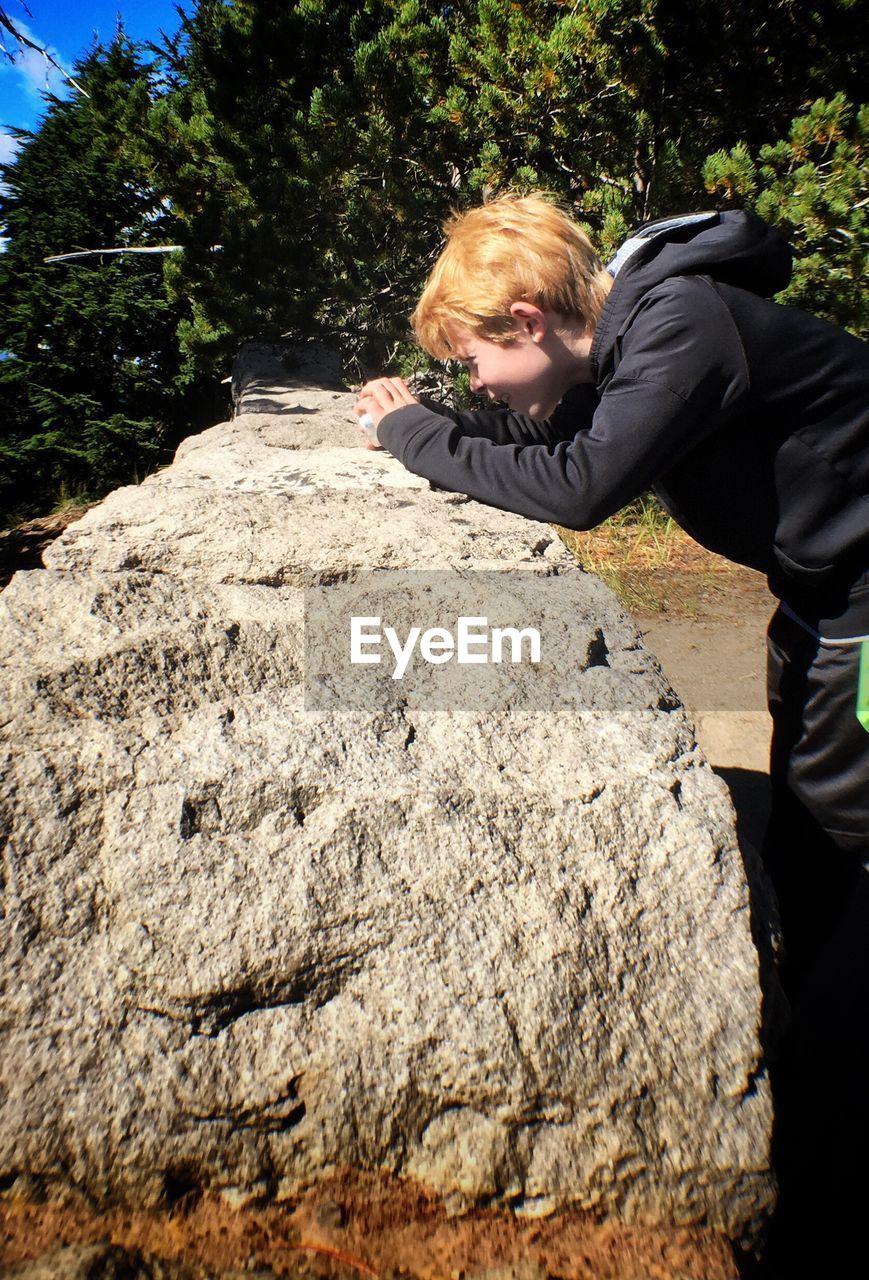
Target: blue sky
{"points": [[67, 29]]}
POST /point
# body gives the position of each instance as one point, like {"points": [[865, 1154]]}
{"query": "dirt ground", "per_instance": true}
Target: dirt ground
{"points": [[714, 656], [22, 547], [351, 1226], [705, 621]]}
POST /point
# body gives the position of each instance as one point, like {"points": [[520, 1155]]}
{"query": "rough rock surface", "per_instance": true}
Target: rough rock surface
{"points": [[106, 1262], [506, 952]]}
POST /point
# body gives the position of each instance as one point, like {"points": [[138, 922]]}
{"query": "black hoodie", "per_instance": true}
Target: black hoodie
{"points": [[749, 419]]}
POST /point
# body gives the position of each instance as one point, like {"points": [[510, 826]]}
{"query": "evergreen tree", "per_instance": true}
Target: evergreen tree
{"points": [[293, 140], [814, 185], [87, 384], [322, 144], [306, 152], [615, 104]]}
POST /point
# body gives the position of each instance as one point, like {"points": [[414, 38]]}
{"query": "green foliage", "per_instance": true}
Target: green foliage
{"points": [[296, 137], [814, 186], [322, 145], [86, 384], [306, 153]]}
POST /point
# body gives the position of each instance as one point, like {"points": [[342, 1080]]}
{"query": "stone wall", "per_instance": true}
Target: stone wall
{"points": [[503, 948]]}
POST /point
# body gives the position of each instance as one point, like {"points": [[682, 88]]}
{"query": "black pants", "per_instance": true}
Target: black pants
{"points": [[817, 854], [818, 837]]}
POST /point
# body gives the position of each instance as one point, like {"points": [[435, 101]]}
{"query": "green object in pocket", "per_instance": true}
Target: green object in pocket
{"points": [[863, 686]]}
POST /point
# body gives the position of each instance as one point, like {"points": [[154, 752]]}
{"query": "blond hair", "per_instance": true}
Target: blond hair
{"points": [[513, 249]]}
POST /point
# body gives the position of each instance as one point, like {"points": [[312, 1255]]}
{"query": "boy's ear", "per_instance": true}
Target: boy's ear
{"points": [[530, 319]]}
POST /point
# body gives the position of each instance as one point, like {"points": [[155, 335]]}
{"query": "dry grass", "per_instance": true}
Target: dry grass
{"points": [[651, 564]]}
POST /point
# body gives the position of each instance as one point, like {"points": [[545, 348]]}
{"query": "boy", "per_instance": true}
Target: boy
{"points": [[671, 369]]}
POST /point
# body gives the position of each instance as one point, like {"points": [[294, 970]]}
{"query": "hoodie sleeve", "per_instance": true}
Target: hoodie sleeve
{"points": [[681, 374], [502, 426]]}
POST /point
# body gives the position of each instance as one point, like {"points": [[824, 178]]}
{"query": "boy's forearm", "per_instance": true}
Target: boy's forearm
{"points": [[503, 426], [496, 425], [640, 431], [531, 480]]}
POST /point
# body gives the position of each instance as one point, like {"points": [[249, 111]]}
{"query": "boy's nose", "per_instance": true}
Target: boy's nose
{"points": [[476, 384]]}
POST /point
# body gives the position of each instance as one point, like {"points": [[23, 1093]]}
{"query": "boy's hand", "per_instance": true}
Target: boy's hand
{"points": [[380, 397]]}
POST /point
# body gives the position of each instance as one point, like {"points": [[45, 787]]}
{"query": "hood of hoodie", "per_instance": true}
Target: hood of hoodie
{"points": [[733, 247]]}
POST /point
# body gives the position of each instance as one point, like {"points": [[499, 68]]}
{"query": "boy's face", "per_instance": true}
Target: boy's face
{"points": [[530, 373]]}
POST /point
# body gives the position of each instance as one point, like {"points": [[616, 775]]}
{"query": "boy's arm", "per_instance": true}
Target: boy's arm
{"points": [[502, 426], [681, 375]]}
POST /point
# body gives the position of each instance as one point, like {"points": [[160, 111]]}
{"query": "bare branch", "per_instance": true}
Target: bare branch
{"points": [[22, 39], [96, 253], [133, 248]]}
